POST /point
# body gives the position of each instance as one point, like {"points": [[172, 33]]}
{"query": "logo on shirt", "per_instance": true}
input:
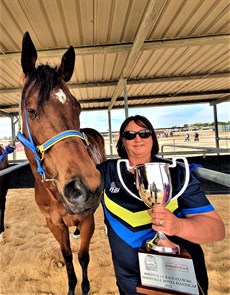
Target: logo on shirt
{"points": [[113, 189]]}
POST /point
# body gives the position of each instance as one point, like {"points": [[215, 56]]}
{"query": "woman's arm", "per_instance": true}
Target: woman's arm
{"points": [[198, 228]]}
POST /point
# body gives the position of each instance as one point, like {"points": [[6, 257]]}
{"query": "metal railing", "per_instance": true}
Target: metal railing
{"points": [[15, 167], [211, 175], [224, 139], [214, 176], [198, 150]]}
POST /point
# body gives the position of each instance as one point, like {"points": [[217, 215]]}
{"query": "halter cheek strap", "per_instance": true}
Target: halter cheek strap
{"points": [[30, 144]]}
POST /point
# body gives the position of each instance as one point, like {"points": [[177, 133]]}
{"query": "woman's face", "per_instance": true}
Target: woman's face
{"points": [[138, 147]]}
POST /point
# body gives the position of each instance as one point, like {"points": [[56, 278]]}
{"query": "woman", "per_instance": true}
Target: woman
{"points": [[194, 220]]}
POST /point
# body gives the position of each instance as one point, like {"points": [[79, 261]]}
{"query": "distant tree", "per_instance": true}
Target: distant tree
{"points": [[222, 123], [197, 125], [205, 125]]}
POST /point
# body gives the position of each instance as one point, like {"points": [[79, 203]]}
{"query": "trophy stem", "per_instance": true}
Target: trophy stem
{"points": [[152, 245], [161, 236]]}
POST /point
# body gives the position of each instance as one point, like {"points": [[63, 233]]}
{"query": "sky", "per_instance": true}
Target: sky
{"points": [[160, 117]]}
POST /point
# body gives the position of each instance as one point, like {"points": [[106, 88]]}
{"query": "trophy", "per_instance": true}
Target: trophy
{"points": [[153, 182]]}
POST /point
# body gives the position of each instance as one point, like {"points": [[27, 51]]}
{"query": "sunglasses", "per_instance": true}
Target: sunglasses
{"points": [[129, 135]]}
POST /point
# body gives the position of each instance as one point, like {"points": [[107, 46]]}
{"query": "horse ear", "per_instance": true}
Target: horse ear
{"points": [[67, 64], [29, 55]]}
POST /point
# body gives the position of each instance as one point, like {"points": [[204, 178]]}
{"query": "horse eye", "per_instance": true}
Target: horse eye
{"points": [[32, 114]]}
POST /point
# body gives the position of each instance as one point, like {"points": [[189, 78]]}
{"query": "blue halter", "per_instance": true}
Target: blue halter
{"points": [[8, 150], [29, 143]]}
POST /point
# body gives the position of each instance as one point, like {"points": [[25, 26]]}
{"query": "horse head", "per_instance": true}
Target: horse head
{"points": [[50, 115]]}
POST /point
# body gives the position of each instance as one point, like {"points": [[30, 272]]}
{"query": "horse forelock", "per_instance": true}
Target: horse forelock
{"points": [[43, 80]]}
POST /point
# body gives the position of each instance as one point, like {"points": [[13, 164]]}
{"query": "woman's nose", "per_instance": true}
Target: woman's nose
{"points": [[137, 138]]}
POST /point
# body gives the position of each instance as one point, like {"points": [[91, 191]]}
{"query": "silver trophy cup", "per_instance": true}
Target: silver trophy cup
{"points": [[153, 182]]}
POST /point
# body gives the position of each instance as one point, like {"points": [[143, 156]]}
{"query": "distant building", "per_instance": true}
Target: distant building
{"points": [[207, 128], [224, 128]]}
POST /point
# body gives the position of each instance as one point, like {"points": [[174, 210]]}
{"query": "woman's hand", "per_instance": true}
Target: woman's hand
{"points": [[200, 228], [164, 220]]}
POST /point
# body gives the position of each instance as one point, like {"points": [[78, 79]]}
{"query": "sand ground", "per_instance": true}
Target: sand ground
{"points": [[31, 261]]}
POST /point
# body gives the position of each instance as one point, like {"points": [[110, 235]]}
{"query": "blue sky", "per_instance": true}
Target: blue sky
{"points": [[160, 117]]}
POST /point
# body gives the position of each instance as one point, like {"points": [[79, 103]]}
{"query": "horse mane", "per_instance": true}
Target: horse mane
{"points": [[96, 148], [44, 78], [94, 135], [92, 132]]}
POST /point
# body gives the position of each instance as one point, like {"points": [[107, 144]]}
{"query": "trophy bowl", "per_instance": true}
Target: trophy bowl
{"points": [[153, 183]]}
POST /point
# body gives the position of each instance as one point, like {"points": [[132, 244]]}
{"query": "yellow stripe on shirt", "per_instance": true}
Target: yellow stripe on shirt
{"points": [[134, 219]]}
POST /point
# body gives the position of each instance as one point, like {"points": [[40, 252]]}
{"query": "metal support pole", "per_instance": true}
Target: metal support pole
{"points": [[216, 125], [110, 134], [13, 133], [126, 99]]}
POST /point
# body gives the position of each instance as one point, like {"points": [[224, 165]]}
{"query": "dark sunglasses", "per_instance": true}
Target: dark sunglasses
{"points": [[129, 135]]}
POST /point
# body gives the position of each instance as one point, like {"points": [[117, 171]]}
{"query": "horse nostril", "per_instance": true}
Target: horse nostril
{"points": [[73, 190]]}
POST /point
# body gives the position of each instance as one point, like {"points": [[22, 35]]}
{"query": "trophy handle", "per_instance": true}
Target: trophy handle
{"points": [[121, 179], [187, 175]]}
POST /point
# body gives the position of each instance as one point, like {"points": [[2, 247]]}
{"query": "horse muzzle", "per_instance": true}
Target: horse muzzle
{"points": [[78, 199]]}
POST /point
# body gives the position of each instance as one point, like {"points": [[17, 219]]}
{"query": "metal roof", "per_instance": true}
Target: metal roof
{"points": [[161, 52]]}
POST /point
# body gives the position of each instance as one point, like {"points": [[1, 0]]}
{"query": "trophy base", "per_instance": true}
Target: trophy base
{"points": [[150, 245], [162, 249], [165, 273]]}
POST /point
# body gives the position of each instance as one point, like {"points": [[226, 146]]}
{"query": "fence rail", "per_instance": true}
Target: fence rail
{"points": [[15, 167], [214, 176], [211, 175], [199, 150]]}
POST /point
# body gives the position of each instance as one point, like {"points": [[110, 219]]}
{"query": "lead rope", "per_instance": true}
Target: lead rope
{"points": [[10, 148], [7, 150]]}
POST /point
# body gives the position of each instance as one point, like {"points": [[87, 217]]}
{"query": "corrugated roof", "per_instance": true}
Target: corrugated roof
{"points": [[167, 51]]}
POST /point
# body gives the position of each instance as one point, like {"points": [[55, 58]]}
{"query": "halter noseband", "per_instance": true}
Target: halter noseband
{"points": [[29, 143]]}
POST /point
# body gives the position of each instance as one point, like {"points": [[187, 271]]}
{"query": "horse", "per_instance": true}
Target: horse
{"points": [[63, 158], [3, 190]]}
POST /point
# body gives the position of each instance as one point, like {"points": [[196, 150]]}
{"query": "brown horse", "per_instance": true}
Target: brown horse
{"points": [[3, 189], [68, 186]]}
